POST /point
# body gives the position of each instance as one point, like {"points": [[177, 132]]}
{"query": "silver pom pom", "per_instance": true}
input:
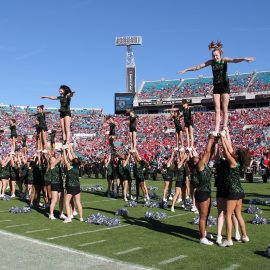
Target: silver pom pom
{"points": [[259, 220], [20, 210], [121, 212], [154, 216], [253, 209], [100, 219], [131, 204]]}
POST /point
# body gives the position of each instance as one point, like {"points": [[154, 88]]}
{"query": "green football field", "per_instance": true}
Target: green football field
{"points": [[170, 244]]}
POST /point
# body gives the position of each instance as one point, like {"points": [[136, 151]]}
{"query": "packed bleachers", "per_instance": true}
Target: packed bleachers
{"points": [[202, 86], [249, 128]]}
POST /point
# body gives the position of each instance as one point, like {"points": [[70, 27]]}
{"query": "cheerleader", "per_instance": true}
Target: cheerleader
{"points": [[65, 114], [123, 174], [203, 187], [24, 173], [175, 116], [4, 175], [189, 130], [235, 190], [14, 173], [57, 188], [221, 88], [110, 174], [139, 168], [73, 189], [132, 128], [13, 134], [222, 173], [180, 180], [112, 134], [168, 176]]}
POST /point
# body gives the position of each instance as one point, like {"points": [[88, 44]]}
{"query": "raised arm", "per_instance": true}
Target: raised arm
{"points": [[66, 163], [108, 161], [209, 150], [194, 68], [127, 160], [171, 159], [238, 60], [227, 153], [50, 97]]}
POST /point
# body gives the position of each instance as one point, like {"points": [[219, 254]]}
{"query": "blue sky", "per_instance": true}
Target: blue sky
{"points": [[47, 43]]}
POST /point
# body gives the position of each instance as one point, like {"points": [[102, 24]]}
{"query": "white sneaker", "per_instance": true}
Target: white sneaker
{"points": [[71, 216], [237, 236], [205, 241], [219, 240], [147, 198], [179, 200], [125, 199], [164, 200], [52, 217], [194, 208], [44, 151], [223, 133], [245, 239], [75, 213], [144, 199], [170, 198], [226, 243], [81, 219], [12, 196], [182, 149], [67, 220], [62, 216], [172, 209]]}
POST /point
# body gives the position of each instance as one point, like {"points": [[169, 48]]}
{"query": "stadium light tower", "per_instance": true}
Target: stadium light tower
{"points": [[128, 41]]}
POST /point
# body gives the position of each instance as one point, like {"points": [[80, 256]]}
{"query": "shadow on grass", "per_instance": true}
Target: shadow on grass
{"points": [[260, 253], [177, 231]]}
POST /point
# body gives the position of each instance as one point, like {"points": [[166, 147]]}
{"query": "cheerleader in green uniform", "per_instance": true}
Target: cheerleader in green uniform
{"points": [[139, 168], [57, 188], [13, 134], [65, 114], [203, 187], [110, 174], [235, 190], [189, 130], [73, 189], [42, 128], [175, 116], [132, 129], [168, 177], [14, 173], [52, 139], [4, 174], [112, 133], [221, 90], [180, 185]]}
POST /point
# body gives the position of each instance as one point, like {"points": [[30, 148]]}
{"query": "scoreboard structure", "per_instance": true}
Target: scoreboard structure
{"points": [[123, 102]]}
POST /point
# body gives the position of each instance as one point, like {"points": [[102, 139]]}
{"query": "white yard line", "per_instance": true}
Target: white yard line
{"points": [[180, 215], [6, 220], [34, 231], [232, 267], [86, 232], [128, 251], [91, 243], [172, 259], [18, 225], [108, 200], [3, 211], [94, 260]]}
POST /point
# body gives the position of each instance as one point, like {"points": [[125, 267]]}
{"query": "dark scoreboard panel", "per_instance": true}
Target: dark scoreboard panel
{"points": [[123, 102]]}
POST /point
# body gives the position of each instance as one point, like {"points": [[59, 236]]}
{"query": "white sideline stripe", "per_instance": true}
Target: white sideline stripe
{"points": [[3, 211], [79, 233], [180, 215], [108, 200], [14, 226], [172, 259], [6, 220], [128, 251], [41, 230], [232, 267], [71, 250], [91, 243]]}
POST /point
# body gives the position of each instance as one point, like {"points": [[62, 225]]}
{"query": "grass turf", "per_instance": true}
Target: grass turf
{"points": [[160, 241]]}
